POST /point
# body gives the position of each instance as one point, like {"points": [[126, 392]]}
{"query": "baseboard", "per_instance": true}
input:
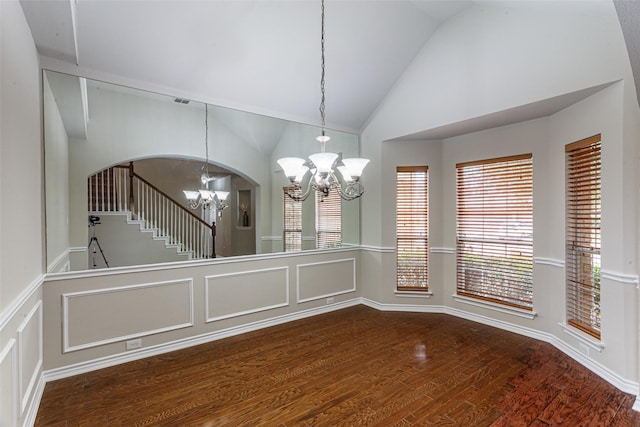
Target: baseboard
{"points": [[412, 308], [605, 373], [621, 383], [32, 410], [117, 359]]}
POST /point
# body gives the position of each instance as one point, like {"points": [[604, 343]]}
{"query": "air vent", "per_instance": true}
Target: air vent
{"points": [[181, 101]]}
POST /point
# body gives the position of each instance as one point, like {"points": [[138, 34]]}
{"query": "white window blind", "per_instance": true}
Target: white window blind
{"points": [[494, 247], [412, 228], [583, 206], [328, 220], [292, 228]]}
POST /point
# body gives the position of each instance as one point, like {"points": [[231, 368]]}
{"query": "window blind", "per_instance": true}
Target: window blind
{"points": [[583, 206], [494, 246], [292, 228], [328, 220], [412, 228]]}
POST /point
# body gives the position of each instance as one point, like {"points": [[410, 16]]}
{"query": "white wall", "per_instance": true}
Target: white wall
{"points": [[491, 58], [21, 220]]}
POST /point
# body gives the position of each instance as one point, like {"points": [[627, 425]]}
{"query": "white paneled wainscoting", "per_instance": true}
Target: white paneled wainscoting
{"points": [[115, 315], [21, 357], [69, 323]]}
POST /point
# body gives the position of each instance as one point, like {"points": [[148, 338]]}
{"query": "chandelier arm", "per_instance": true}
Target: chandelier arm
{"points": [[351, 191], [337, 186], [354, 190], [303, 197], [342, 193]]}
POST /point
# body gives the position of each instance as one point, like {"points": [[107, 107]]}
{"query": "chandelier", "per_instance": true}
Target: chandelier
{"points": [[321, 166], [205, 197]]}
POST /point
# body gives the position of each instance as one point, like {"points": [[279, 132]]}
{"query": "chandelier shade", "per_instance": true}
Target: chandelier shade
{"points": [[355, 166], [191, 195], [291, 166], [222, 195], [345, 173], [323, 162]]}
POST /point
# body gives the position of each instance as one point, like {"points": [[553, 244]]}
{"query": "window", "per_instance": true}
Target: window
{"points": [[583, 170], [494, 246], [412, 228], [292, 228], [328, 220]]}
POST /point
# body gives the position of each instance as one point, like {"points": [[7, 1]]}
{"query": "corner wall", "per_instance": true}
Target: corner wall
{"points": [[22, 242], [473, 68]]}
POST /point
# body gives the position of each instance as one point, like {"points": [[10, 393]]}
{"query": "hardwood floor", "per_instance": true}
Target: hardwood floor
{"points": [[356, 366]]}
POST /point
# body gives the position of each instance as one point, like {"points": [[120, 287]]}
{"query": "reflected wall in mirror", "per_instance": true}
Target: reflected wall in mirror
{"points": [[125, 156]]}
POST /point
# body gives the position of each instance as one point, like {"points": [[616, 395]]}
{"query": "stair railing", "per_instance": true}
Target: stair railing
{"points": [[121, 189]]}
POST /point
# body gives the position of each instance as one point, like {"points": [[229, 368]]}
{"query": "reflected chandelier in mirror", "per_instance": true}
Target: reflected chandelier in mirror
{"points": [[92, 127]]}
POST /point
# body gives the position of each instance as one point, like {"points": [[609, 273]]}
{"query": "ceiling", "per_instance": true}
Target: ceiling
{"points": [[629, 16], [263, 56], [260, 56]]}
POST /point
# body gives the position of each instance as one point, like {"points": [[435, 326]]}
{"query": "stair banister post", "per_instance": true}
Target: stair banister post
{"points": [[213, 239], [131, 197]]}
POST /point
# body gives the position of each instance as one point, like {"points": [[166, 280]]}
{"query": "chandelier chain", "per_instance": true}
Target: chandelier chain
{"points": [[206, 132], [322, 91]]}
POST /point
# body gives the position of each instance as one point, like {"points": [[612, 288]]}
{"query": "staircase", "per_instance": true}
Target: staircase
{"points": [[120, 190]]}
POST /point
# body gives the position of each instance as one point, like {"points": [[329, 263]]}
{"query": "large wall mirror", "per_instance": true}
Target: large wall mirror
{"points": [[117, 160]]}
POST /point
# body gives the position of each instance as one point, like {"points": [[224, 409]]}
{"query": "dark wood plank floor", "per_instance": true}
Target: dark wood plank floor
{"points": [[356, 366]]}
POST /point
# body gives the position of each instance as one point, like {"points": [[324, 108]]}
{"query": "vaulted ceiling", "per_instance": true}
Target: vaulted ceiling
{"points": [[259, 56]]}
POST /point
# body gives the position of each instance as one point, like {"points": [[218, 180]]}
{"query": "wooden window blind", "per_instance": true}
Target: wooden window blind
{"points": [[328, 220], [583, 206], [494, 246], [412, 227], [292, 228]]}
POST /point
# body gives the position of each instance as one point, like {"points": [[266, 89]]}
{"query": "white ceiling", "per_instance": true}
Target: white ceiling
{"points": [[629, 16], [260, 56]]}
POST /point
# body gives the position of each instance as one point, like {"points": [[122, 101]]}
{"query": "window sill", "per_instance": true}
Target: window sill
{"points": [[583, 337], [496, 307], [413, 294]]}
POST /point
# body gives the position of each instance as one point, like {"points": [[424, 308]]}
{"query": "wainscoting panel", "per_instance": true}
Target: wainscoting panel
{"points": [[102, 316], [29, 353], [9, 380], [324, 279], [236, 294]]}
